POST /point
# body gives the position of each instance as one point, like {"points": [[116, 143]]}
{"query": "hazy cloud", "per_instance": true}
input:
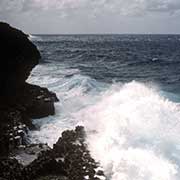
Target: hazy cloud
{"points": [[92, 15], [122, 7]]}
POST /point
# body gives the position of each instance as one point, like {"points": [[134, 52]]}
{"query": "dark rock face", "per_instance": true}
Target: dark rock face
{"points": [[38, 101], [19, 101], [18, 56], [34, 101]]}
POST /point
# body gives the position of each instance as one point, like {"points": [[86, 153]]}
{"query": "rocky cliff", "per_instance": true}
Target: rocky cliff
{"points": [[19, 101]]}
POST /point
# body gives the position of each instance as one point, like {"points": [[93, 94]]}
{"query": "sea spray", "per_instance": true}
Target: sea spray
{"points": [[134, 133], [75, 92], [133, 130]]}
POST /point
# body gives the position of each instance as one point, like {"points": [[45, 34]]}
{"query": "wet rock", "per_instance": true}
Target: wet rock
{"points": [[72, 150], [52, 177], [19, 101], [10, 169], [34, 100], [2, 178], [25, 155], [12, 130], [44, 165], [69, 160]]}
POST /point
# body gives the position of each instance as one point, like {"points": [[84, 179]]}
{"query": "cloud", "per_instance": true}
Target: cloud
{"points": [[94, 7], [92, 16]]}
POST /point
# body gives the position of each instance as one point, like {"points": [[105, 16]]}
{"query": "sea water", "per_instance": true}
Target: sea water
{"points": [[125, 91]]}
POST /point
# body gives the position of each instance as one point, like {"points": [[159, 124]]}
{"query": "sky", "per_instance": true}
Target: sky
{"points": [[92, 16]]}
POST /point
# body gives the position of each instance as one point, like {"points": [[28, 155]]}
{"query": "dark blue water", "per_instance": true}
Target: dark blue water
{"points": [[121, 58]]}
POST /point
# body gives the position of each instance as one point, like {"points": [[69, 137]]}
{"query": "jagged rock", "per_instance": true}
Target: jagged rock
{"points": [[69, 159], [13, 131], [45, 164], [10, 169], [71, 150], [25, 155]]}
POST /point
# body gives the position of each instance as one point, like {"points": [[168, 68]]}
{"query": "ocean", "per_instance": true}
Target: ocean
{"points": [[125, 91]]}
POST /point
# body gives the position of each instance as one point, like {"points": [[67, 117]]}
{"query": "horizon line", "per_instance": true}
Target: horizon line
{"points": [[104, 33]]}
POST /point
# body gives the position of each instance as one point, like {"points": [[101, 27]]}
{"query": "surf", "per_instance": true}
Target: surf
{"points": [[134, 133], [132, 128]]}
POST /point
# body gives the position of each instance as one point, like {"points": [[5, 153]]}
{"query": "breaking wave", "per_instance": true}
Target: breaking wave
{"points": [[132, 129], [134, 132], [34, 38]]}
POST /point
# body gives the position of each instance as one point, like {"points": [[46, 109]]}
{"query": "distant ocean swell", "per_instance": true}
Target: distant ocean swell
{"points": [[133, 128]]}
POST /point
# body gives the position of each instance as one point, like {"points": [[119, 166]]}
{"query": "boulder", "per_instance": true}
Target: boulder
{"points": [[38, 101]]}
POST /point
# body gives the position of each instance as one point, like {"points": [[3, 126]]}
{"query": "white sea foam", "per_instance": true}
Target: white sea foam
{"points": [[74, 91], [133, 131], [31, 36], [34, 38]]}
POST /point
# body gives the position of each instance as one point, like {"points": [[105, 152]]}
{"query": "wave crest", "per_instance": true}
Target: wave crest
{"points": [[134, 133], [132, 129]]}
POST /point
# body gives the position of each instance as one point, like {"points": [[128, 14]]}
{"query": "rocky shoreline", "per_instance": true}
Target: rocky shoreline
{"points": [[21, 102], [69, 159]]}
